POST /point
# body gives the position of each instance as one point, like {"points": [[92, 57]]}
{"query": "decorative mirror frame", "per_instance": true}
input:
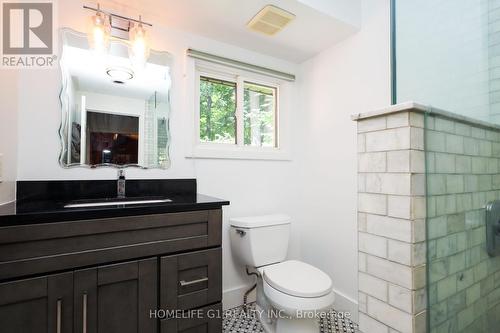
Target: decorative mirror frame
{"points": [[64, 105]]}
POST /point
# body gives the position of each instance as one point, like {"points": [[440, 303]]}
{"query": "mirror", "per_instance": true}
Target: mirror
{"points": [[113, 113]]}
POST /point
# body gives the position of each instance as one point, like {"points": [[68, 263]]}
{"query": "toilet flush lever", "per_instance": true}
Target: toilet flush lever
{"points": [[240, 232]]}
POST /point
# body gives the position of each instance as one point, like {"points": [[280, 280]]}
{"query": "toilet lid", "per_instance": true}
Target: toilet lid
{"points": [[297, 278], [250, 222]]}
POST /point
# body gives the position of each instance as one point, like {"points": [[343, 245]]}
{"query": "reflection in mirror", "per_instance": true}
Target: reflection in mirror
{"points": [[113, 114]]}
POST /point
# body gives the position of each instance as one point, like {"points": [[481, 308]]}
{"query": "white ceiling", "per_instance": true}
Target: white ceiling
{"points": [[318, 25], [89, 74]]}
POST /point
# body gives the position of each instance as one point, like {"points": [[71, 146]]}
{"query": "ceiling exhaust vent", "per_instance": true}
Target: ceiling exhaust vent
{"points": [[270, 20]]}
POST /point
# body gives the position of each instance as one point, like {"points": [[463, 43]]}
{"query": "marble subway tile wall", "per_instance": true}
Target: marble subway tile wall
{"points": [[391, 223], [463, 166]]}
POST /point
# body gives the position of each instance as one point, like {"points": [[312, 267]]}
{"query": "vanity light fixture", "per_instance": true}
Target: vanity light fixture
{"points": [[99, 32], [120, 74], [106, 26], [139, 46]]}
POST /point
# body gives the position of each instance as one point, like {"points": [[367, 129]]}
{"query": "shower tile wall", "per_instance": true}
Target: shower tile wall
{"points": [[391, 223], [463, 174]]}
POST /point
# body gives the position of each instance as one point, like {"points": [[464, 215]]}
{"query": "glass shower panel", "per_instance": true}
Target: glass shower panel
{"points": [[448, 55], [462, 172]]}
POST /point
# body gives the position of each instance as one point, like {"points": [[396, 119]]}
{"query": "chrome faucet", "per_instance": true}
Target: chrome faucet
{"points": [[120, 186]]}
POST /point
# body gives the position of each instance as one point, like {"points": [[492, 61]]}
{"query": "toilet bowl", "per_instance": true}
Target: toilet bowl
{"points": [[291, 295], [300, 291]]}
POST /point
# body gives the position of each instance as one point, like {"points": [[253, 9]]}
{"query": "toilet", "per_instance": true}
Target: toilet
{"points": [[291, 295]]}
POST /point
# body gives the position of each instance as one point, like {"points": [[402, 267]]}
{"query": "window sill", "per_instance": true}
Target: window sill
{"points": [[239, 153]]}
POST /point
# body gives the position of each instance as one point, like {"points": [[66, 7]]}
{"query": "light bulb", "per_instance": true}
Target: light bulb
{"points": [[139, 46], [99, 33]]}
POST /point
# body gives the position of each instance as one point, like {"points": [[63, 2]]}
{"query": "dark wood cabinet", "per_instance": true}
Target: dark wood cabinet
{"points": [[203, 320], [191, 280], [116, 298], [42, 304], [182, 270]]}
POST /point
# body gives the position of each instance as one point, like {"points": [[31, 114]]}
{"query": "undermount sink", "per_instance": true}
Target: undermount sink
{"points": [[116, 201]]}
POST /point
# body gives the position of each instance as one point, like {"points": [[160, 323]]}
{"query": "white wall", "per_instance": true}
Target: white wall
{"points": [[351, 77], [8, 133], [318, 187], [346, 10], [253, 187], [443, 55]]}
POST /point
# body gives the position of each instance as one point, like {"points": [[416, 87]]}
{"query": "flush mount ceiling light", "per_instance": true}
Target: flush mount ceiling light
{"points": [[106, 26], [270, 20], [120, 74]]}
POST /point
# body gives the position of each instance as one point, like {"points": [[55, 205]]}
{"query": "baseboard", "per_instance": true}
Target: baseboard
{"points": [[232, 298], [346, 305]]}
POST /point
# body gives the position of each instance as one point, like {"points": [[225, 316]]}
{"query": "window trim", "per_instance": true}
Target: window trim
{"points": [[239, 150]]}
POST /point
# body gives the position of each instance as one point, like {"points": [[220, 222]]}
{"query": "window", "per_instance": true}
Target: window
{"points": [[217, 110], [240, 114], [218, 113], [259, 114], [234, 110]]}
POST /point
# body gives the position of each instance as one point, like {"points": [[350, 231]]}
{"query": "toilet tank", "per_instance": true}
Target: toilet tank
{"points": [[260, 240]]}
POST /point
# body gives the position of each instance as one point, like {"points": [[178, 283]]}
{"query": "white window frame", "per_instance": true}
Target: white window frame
{"points": [[239, 150]]}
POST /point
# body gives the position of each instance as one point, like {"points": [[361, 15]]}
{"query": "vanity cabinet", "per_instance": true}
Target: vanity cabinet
{"points": [[191, 280], [115, 272], [41, 304], [116, 298], [200, 322]]}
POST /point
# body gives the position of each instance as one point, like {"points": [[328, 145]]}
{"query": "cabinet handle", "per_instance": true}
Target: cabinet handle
{"points": [[189, 283], [84, 314], [58, 316]]}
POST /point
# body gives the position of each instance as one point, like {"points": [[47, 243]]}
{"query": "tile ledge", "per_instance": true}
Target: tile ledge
{"points": [[417, 107], [402, 107]]}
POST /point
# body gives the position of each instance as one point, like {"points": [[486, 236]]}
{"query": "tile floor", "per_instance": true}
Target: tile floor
{"points": [[236, 321]]}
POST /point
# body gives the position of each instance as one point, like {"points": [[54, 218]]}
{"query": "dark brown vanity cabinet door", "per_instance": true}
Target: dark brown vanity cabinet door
{"points": [[191, 280], [42, 304], [203, 320], [116, 298]]}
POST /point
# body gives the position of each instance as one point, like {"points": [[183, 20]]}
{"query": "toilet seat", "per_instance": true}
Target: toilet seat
{"points": [[293, 286], [297, 279], [292, 305]]}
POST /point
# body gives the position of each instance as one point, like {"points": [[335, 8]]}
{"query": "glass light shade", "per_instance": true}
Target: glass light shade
{"points": [[139, 46], [99, 33]]}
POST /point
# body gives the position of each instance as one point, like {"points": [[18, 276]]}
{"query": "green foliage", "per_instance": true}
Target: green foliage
{"points": [[259, 115], [217, 111]]}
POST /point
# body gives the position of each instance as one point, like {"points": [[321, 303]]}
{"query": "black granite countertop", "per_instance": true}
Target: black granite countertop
{"points": [[53, 211], [43, 202]]}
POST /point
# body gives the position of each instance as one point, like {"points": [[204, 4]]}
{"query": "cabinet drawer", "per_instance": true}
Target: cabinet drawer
{"points": [[191, 280], [204, 320], [33, 249]]}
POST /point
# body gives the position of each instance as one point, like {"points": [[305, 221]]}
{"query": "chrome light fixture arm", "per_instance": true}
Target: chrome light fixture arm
{"points": [[99, 10]]}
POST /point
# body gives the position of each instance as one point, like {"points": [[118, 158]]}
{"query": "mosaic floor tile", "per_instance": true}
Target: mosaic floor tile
{"points": [[239, 321]]}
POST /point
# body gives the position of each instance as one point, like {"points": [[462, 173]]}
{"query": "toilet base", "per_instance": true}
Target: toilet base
{"points": [[277, 324], [294, 325], [286, 325]]}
